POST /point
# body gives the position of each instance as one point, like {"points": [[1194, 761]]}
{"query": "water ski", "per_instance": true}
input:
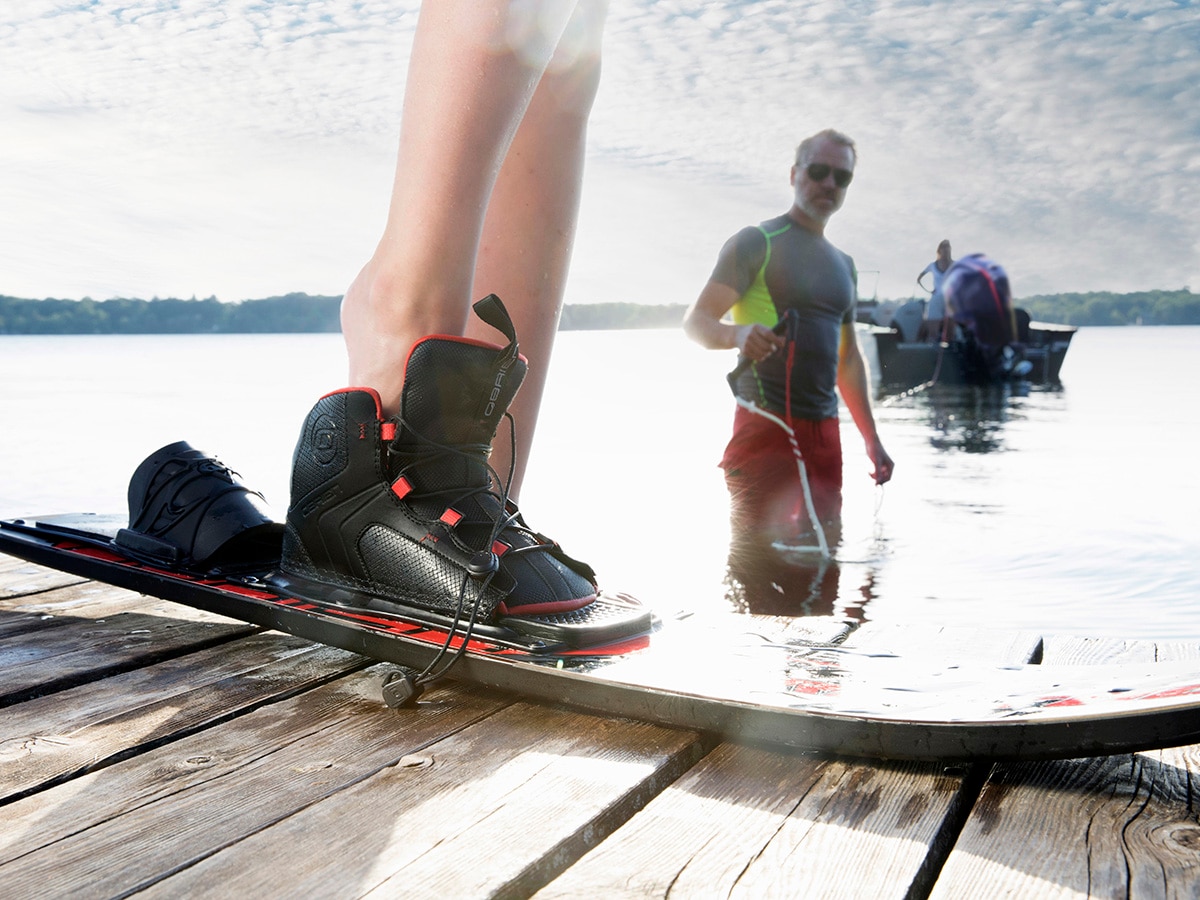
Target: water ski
{"points": [[745, 677]]}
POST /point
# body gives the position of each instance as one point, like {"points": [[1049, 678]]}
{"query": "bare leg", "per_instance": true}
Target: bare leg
{"points": [[530, 225], [471, 77]]}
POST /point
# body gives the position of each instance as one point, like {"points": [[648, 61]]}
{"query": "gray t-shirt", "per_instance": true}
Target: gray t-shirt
{"points": [[780, 266]]}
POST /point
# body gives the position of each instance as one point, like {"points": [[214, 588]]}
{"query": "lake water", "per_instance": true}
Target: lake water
{"points": [[1071, 510]]}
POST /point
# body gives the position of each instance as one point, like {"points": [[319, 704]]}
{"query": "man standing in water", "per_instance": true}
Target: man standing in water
{"points": [[762, 273], [934, 325]]}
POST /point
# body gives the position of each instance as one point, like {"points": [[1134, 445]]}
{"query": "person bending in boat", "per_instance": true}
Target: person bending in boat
{"points": [[762, 273], [979, 301], [934, 322]]}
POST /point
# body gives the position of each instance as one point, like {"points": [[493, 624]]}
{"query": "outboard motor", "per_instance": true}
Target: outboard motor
{"points": [[978, 297]]}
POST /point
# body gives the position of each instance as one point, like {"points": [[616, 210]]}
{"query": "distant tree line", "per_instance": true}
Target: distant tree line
{"points": [[299, 312], [289, 314], [1180, 307]]}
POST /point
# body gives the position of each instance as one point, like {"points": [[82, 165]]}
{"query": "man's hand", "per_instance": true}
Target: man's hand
{"points": [[757, 342], [883, 464]]}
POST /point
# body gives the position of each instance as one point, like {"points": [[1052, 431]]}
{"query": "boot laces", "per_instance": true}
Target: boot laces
{"points": [[427, 451], [424, 452]]}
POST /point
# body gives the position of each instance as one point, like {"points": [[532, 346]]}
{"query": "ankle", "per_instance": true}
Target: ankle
{"points": [[377, 335], [381, 322]]}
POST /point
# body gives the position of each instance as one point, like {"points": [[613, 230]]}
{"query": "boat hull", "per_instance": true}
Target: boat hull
{"points": [[903, 364]]}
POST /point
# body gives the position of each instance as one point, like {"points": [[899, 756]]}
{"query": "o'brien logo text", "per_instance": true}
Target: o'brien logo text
{"points": [[497, 386]]}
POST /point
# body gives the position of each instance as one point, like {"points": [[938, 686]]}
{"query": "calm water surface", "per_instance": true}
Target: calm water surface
{"points": [[1064, 510]]}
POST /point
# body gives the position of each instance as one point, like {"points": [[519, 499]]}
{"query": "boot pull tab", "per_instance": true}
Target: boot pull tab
{"points": [[492, 311]]}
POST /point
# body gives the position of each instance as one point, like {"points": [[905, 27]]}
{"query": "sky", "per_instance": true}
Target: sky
{"points": [[245, 148]]}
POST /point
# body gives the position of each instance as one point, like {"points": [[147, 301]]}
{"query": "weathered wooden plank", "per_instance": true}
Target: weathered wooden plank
{"points": [[47, 739], [59, 594], [57, 658], [1077, 650], [1116, 826], [331, 792], [948, 643], [495, 810], [108, 831], [14, 623], [18, 577], [799, 629], [1112, 826], [86, 599], [749, 822]]}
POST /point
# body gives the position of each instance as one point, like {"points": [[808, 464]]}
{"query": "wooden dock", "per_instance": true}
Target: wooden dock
{"points": [[153, 750]]}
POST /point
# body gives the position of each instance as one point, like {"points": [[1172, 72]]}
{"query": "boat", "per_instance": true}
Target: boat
{"points": [[903, 359]]}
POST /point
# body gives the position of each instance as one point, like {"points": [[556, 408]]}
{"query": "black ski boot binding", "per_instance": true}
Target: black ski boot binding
{"points": [[406, 514], [188, 511]]}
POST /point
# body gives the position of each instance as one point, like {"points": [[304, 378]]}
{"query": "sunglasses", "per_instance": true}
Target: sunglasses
{"points": [[820, 171]]}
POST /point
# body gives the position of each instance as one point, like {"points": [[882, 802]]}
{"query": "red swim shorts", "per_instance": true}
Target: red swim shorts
{"points": [[764, 480]]}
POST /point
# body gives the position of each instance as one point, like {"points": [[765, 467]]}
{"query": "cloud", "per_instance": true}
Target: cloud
{"points": [[244, 148], [197, 147], [1060, 135]]}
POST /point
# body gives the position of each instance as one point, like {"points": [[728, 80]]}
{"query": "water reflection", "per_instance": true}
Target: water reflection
{"points": [[792, 578], [761, 579], [972, 418], [967, 418]]}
